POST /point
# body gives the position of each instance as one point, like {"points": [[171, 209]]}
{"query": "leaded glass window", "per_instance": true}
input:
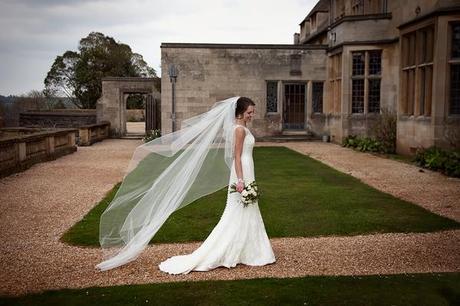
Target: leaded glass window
{"points": [[357, 101], [454, 107], [272, 96], [374, 96], [455, 89], [375, 62], [357, 91], [317, 97], [417, 71], [358, 63], [456, 40]]}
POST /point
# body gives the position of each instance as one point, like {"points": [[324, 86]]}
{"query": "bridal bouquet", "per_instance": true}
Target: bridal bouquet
{"points": [[250, 193]]}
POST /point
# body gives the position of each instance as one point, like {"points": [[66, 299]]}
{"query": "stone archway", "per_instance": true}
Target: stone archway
{"points": [[112, 104]]}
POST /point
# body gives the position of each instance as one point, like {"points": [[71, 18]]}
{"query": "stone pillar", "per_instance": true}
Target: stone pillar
{"points": [[84, 136], [50, 145], [22, 151]]}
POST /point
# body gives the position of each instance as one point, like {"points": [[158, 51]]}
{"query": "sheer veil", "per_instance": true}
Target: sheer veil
{"points": [[165, 175]]}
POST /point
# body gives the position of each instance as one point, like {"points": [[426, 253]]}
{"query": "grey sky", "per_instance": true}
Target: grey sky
{"points": [[33, 33]]}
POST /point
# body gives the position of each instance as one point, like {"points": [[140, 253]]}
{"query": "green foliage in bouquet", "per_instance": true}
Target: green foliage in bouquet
{"points": [[250, 193]]}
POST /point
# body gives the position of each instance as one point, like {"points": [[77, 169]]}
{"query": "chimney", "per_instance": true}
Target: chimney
{"points": [[296, 38]]}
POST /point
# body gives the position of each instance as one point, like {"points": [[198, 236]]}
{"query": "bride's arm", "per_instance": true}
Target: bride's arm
{"points": [[239, 138]]}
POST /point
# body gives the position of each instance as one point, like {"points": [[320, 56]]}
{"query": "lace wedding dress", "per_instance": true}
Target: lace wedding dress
{"points": [[238, 237]]}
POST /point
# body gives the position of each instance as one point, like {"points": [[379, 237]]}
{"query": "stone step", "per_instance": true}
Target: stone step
{"points": [[284, 138], [132, 136], [296, 133]]}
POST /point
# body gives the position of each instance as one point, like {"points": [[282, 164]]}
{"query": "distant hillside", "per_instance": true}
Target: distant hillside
{"points": [[59, 101], [8, 99]]}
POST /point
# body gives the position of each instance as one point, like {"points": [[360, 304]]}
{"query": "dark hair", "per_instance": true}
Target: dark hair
{"points": [[242, 105]]}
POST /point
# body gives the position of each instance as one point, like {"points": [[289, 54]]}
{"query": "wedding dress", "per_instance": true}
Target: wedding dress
{"points": [[238, 237]]}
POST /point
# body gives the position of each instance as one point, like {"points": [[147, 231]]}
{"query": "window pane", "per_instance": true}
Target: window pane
{"points": [[374, 96], [421, 40], [317, 97], [358, 63], [429, 44], [422, 90], [454, 89], [456, 40], [357, 99], [375, 62], [412, 49], [272, 96]]}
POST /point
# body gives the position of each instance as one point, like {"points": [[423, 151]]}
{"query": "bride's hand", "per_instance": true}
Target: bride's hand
{"points": [[239, 187]]}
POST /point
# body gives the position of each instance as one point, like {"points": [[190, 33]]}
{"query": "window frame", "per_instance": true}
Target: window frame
{"points": [[313, 111], [277, 96], [335, 83], [415, 64], [366, 77]]}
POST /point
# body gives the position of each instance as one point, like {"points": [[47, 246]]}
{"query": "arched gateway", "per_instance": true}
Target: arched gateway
{"points": [[112, 104]]}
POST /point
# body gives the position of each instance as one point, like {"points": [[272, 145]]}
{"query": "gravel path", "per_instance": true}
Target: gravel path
{"points": [[37, 206]]}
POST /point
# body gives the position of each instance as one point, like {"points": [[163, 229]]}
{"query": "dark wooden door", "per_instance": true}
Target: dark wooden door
{"points": [[152, 114], [294, 106]]}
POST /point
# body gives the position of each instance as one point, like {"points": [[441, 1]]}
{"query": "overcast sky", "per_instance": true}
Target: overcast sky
{"points": [[34, 32]]}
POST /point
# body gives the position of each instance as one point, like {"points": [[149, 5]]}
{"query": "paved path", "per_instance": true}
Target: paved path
{"points": [[37, 207]]}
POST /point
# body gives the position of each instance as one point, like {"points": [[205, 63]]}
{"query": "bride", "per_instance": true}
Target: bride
{"points": [[163, 177]]}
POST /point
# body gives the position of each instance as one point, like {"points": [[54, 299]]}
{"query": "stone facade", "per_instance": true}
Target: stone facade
{"points": [[111, 106], [211, 72], [370, 56]]}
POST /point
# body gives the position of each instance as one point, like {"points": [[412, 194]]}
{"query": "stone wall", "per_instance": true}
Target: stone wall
{"points": [[20, 148], [58, 119], [211, 72]]}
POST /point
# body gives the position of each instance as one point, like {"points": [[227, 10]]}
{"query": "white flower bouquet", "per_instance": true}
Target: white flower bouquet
{"points": [[250, 193]]}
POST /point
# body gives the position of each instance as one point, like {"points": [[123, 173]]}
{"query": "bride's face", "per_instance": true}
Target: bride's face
{"points": [[249, 113]]}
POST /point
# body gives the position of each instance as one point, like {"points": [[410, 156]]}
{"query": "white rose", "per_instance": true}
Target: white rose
{"points": [[244, 193]]}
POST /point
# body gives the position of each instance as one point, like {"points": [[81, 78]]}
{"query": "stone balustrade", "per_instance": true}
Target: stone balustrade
{"points": [[20, 148], [91, 133]]}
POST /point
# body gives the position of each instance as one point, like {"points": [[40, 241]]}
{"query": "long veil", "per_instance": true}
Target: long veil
{"points": [[163, 176]]}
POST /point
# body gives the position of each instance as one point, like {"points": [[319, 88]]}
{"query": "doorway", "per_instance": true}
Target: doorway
{"points": [[294, 106]]}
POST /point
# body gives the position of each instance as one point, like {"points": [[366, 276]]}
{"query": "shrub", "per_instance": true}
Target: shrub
{"points": [[385, 130], [364, 144], [434, 158], [151, 135]]}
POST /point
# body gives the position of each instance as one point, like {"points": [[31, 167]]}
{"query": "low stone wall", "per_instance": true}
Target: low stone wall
{"points": [[20, 148], [91, 133]]}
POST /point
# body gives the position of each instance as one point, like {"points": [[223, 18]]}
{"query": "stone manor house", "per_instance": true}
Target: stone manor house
{"points": [[351, 60]]}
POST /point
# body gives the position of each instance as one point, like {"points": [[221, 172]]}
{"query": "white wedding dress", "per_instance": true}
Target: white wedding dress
{"points": [[238, 237]]}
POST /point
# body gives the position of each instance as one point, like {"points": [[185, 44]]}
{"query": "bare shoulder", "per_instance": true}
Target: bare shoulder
{"points": [[240, 132]]}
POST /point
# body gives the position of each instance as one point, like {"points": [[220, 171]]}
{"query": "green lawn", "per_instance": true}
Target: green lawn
{"points": [[404, 289], [301, 197]]}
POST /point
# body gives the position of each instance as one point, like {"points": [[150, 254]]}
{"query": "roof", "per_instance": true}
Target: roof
{"points": [[321, 6]]}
